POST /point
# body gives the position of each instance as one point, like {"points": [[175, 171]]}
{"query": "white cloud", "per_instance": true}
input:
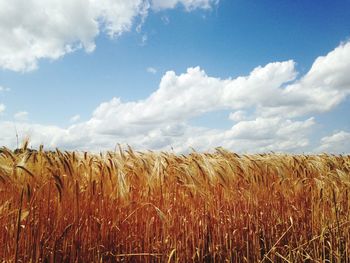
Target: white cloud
{"points": [[21, 116], [237, 116], [151, 70], [32, 30], [39, 29], [277, 101], [181, 97], [338, 142], [324, 87], [74, 118], [188, 4], [144, 39], [51, 136]]}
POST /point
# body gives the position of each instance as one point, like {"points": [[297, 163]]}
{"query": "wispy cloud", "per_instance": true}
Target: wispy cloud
{"points": [[188, 4], [21, 115], [151, 70], [165, 20], [144, 39], [74, 118]]}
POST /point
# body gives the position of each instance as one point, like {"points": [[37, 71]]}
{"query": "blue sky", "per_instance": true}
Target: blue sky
{"points": [[175, 74]]}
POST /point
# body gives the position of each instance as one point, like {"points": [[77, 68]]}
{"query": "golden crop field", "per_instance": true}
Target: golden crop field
{"points": [[129, 206]]}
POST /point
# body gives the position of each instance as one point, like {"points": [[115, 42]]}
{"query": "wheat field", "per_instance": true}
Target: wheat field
{"points": [[128, 206]]}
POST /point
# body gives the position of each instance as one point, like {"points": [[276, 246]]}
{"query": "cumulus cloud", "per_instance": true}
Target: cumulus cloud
{"points": [[325, 86], [52, 136], [258, 135], [181, 97], [38, 29], [277, 101], [184, 96], [338, 142], [32, 30]]}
